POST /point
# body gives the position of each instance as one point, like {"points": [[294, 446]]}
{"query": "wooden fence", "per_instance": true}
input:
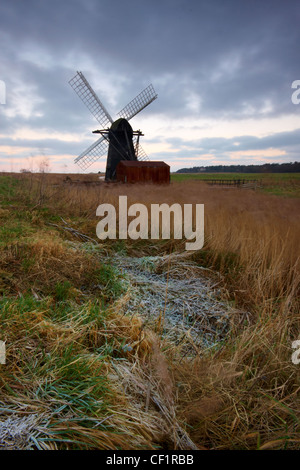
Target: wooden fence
{"points": [[238, 183]]}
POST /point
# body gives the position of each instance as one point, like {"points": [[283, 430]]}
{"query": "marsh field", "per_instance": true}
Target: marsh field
{"points": [[123, 344]]}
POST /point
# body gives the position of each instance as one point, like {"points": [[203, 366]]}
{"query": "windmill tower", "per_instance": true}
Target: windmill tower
{"points": [[118, 140]]}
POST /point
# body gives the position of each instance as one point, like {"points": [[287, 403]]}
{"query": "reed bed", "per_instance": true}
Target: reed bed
{"points": [[243, 393]]}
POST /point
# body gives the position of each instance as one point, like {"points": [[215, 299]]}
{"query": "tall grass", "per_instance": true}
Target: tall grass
{"points": [[243, 394], [251, 237]]}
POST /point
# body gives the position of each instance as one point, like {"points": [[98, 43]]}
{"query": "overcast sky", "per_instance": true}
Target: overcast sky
{"points": [[223, 71]]}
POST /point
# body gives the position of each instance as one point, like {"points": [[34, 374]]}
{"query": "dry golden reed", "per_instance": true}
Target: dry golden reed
{"points": [[243, 394]]}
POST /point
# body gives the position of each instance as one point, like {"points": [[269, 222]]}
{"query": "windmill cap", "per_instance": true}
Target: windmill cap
{"points": [[121, 124]]}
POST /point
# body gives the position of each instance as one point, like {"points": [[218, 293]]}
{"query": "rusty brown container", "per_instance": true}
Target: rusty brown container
{"points": [[143, 172]]}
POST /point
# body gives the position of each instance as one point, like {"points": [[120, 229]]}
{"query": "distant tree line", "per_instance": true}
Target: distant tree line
{"points": [[265, 168]]}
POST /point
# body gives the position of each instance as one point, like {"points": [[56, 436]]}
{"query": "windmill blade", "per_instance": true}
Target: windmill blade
{"points": [[138, 103], [139, 151], [85, 92], [92, 154]]}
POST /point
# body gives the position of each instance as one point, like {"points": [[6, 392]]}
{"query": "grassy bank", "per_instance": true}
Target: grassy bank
{"points": [[83, 375], [280, 184]]}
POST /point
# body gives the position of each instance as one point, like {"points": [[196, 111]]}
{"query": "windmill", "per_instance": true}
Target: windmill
{"points": [[118, 140]]}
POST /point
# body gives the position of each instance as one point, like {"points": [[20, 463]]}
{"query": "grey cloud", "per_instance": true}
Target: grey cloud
{"points": [[236, 57], [220, 148]]}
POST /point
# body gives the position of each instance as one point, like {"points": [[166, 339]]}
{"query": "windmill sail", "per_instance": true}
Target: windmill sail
{"points": [[85, 92], [138, 103], [139, 151], [92, 154]]}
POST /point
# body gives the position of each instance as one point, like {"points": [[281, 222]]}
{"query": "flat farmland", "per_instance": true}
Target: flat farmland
{"points": [[281, 184]]}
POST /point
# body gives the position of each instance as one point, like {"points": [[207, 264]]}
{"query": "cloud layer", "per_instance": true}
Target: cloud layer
{"points": [[222, 70]]}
